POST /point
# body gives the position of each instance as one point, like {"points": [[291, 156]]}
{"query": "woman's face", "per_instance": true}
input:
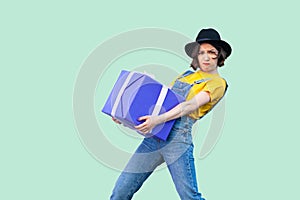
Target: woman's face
{"points": [[208, 58]]}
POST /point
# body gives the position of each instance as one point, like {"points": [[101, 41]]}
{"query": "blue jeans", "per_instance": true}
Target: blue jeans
{"points": [[177, 152]]}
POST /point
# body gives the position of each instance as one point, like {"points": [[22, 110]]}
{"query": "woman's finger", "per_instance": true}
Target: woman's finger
{"points": [[144, 131], [140, 126], [143, 128], [144, 118]]}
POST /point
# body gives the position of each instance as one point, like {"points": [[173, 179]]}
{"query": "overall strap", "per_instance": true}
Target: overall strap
{"points": [[226, 86], [189, 72], [201, 80]]}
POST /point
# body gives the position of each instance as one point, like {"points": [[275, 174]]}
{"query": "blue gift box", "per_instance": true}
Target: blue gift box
{"points": [[134, 95]]}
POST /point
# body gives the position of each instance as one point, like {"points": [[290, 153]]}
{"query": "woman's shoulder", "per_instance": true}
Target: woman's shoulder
{"points": [[216, 81]]}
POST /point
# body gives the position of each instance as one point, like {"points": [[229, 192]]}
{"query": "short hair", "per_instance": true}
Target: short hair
{"points": [[221, 57]]}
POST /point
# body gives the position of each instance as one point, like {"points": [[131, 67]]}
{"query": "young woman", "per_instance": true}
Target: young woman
{"points": [[202, 90]]}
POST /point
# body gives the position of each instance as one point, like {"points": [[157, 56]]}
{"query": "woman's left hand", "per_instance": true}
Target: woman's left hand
{"points": [[149, 123]]}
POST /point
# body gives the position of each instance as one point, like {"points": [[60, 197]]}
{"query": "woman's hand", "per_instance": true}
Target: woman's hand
{"points": [[116, 121], [149, 123]]}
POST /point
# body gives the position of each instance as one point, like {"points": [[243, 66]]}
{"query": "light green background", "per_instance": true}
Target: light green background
{"points": [[43, 45]]}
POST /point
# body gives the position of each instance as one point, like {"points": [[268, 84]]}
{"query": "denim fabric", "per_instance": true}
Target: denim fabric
{"points": [[176, 151]]}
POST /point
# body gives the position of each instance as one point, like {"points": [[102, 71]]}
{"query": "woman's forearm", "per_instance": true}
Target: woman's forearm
{"points": [[184, 108], [180, 110]]}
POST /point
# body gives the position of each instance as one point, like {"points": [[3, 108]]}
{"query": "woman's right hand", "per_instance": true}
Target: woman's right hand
{"points": [[116, 121]]}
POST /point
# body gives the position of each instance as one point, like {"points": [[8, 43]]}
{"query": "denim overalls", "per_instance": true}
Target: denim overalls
{"points": [[176, 151]]}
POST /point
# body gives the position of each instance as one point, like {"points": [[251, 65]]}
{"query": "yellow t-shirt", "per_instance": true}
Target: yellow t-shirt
{"points": [[215, 86]]}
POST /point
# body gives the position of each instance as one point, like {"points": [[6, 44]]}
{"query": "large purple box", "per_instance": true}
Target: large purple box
{"points": [[135, 95]]}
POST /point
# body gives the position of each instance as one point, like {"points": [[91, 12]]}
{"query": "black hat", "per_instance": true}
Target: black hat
{"points": [[210, 36]]}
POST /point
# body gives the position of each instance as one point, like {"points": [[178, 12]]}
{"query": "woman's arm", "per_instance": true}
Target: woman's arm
{"points": [[180, 110]]}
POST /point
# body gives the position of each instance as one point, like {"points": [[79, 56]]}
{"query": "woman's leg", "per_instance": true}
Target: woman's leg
{"points": [[139, 168], [178, 154]]}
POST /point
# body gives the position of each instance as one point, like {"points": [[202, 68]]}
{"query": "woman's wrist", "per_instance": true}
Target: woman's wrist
{"points": [[159, 119]]}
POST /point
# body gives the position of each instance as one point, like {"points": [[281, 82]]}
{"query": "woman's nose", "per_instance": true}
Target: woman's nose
{"points": [[206, 57]]}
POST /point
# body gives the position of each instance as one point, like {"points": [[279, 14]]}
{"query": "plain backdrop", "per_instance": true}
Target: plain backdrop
{"points": [[45, 43]]}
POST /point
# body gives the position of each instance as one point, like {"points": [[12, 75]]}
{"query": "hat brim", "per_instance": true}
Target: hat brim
{"points": [[189, 48]]}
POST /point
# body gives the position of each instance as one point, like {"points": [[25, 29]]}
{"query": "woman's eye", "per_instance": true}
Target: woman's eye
{"points": [[212, 52]]}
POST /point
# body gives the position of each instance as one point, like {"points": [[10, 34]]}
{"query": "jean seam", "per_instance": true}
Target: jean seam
{"points": [[192, 181]]}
